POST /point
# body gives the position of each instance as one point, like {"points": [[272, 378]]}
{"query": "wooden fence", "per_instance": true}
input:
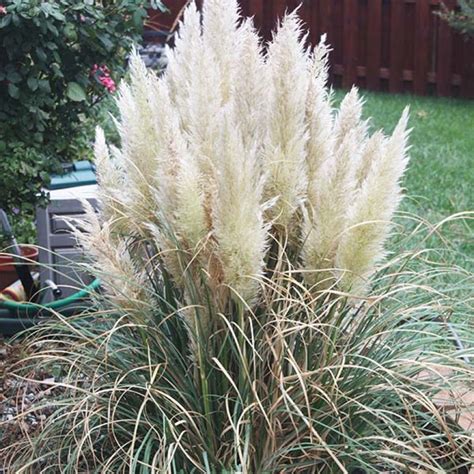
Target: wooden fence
{"points": [[382, 45]]}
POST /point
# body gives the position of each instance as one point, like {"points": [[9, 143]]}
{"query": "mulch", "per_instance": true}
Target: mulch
{"points": [[17, 396]]}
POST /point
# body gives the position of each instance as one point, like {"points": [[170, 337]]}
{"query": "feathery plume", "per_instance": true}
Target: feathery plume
{"points": [[326, 220], [220, 39], [372, 149], [349, 118], [140, 137], [110, 179], [140, 143], [238, 216], [190, 214], [184, 58], [200, 112], [319, 116], [285, 148], [124, 282], [251, 91], [369, 217]]}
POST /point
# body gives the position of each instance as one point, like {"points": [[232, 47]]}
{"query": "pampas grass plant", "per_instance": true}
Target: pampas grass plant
{"points": [[250, 322]]}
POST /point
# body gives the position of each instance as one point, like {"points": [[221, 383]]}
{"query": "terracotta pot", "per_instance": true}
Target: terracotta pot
{"points": [[8, 273]]}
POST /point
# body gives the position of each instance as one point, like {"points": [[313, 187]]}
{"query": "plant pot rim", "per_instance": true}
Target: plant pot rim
{"points": [[27, 251]]}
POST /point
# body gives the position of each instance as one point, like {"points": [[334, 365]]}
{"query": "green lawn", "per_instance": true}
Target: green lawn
{"points": [[440, 180]]}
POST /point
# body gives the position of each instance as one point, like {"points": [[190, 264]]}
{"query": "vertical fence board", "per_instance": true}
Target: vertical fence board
{"points": [[315, 21], [374, 43], [349, 43], [256, 10], [279, 9], [325, 18], [268, 20], [396, 47], [444, 55], [422, 52]]}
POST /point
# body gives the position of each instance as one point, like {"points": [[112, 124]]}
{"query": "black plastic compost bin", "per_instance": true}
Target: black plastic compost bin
{"points": [[64, 288]]}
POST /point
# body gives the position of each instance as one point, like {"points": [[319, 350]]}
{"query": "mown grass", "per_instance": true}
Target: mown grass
{"points": [[440, 179]]}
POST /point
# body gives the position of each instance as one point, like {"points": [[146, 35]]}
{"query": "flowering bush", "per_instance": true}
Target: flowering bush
{"points": [[47, 50], [244, 327], [102, 75]]}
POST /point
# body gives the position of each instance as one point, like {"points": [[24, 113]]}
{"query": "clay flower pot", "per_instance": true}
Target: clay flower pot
{"points": [[8, 274]]}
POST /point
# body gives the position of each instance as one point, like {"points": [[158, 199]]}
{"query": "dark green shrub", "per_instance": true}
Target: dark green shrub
{"points": [[23, 169], [461, 20], [53, 60]]}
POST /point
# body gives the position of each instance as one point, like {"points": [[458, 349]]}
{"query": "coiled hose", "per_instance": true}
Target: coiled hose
{"points": [[19, 307]]}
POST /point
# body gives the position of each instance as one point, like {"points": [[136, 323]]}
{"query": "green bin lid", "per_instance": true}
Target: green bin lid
{"points": [[80, 173]]}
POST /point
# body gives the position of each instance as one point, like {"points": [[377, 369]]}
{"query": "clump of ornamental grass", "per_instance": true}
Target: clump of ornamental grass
{"points": [[249, 322]]}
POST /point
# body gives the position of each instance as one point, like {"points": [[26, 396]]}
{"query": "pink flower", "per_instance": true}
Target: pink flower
{"points": [[3, 10], [108, 83], [102, 75]]}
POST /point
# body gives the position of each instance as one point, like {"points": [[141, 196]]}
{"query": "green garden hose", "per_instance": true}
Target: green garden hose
{"points": [[54, 305]]}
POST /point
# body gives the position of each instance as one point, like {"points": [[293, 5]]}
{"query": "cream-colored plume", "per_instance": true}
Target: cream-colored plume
{"points": [[232, 144], [319, 116], [140, 143], [183, 60], [238, 215], [109, 177], [327, 217], [251, 99], [287, 135], [126, 284], [373, 148], [349, 118], [220, 42], [368, 219]]}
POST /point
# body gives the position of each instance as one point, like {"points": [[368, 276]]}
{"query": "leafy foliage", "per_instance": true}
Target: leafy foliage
{"points": [[463, 19], [47, 85]]}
